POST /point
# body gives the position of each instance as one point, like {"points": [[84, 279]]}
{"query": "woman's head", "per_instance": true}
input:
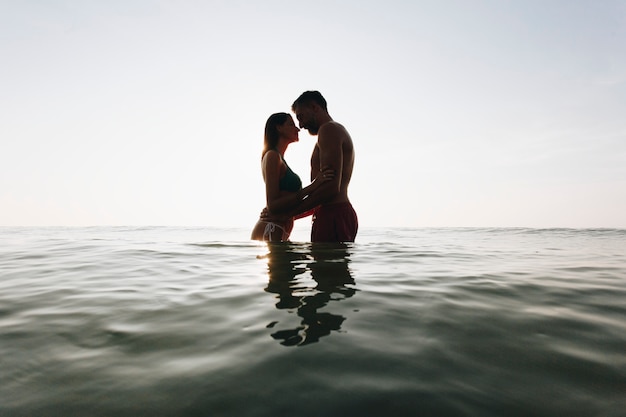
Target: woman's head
{"points": [[278, 125]]}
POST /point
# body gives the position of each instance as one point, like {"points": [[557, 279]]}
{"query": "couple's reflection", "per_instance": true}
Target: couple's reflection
{"points": [[306, 277]]}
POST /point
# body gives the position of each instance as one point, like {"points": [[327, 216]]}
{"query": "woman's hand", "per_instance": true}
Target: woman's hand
{"points": [[266, 216], [325, 174]]}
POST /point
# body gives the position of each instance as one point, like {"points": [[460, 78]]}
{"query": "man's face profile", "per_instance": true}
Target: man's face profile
{"points": [[306, 118]]}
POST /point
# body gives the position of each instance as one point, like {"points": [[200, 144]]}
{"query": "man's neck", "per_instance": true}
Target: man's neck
{"points": [[325, 119]]}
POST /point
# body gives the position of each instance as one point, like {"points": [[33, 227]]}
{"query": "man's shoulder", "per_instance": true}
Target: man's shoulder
{"points": [[332, 130], [332, 126]]}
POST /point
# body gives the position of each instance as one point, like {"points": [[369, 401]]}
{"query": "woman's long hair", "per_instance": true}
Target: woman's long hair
{"points": [[270, 140]]}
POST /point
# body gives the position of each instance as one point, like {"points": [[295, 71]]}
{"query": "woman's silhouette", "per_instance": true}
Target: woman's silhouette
{"points": [[283, 187]]}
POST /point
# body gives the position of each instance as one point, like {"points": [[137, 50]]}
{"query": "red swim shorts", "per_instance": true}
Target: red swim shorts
{"points": [[334, 223]]}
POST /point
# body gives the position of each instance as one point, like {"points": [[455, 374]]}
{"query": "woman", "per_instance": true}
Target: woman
{"points": [[283, 187]]}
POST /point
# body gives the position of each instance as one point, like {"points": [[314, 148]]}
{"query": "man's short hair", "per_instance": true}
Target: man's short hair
{"points": [[309, 97]]}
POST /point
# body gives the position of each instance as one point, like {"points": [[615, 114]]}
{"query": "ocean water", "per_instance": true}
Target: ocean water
{"points": [[404, 322]]}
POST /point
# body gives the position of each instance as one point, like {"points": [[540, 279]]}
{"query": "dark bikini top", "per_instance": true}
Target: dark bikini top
{"points": [[290, 181]]}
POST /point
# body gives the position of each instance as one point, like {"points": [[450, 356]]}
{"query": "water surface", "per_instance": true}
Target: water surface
{"points": [[201, 321]]}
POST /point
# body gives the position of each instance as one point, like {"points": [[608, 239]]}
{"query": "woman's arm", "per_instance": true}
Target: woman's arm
{"points": [[276, 201], [303, 207], [279, 202]]}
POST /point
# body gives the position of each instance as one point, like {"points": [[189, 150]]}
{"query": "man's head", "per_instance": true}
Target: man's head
{"points": [[310, 109]]}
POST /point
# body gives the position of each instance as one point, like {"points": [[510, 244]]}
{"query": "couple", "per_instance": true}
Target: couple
{"points": [[326, 198]]}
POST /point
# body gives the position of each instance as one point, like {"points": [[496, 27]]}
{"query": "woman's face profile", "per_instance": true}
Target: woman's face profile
{"points": [[289, 130]]}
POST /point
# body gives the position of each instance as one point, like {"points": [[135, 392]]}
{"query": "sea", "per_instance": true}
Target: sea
{"points": [[184, 321]]}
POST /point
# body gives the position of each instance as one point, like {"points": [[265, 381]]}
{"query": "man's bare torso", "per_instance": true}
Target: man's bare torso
{"points": [[338, 142]]}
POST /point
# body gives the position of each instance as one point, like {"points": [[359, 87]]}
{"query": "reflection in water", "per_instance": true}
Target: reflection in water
{"points": [[289, 264]]}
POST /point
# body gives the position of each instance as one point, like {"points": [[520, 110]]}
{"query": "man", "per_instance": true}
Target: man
{"points": [[334, 218]]}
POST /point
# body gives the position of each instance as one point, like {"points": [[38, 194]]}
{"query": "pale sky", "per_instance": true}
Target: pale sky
{"points": [[463, 112]]}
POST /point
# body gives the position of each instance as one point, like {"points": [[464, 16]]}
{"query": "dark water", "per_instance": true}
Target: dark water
{"points": [[409, 322]]}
